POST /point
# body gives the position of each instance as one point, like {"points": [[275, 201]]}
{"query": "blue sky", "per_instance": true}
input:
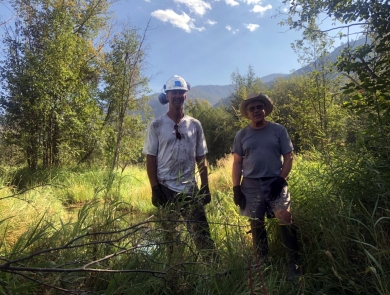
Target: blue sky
{"points": [[205, 41]]}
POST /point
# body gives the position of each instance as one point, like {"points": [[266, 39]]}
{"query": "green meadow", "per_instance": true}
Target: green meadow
{"points": [[67, 231]]}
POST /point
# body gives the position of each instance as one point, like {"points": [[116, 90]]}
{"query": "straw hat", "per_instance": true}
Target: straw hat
{"points": [[268, 104]]}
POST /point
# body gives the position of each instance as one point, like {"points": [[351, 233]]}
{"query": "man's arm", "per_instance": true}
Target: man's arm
{"points": [[202, 168], [237, 169], [287, 165], [151, 169]]}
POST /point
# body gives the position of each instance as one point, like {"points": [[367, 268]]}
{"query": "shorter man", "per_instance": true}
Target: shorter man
{"points": [[263, 156]]}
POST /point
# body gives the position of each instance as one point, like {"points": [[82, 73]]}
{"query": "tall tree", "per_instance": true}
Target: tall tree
{"points": [[50, 76], [366, 66], [125, 84], [322, 82]]}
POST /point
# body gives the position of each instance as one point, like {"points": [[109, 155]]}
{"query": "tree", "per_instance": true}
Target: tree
{"points": [[50, 75], [322, 84], [296, 107], [124, 85], [218, 129], [366, 66]]}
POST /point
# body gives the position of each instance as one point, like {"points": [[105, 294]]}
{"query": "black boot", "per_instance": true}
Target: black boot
{"points": [[290, 240], [260, 241]]}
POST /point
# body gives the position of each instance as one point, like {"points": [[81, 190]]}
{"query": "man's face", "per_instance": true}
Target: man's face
{"points": [[176, 97], [255, 111]]}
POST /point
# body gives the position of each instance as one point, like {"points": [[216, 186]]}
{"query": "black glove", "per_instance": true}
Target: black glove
{"points": [[239, 198], [276, 188], [158, 198], [204, 194], [270, 214]]}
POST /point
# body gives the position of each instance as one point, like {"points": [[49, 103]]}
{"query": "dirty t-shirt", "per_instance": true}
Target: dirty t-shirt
{"points": [[262, 149], [175, 157]]}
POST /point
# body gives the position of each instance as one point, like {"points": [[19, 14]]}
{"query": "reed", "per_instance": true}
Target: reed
{"points": [[65, 231]]}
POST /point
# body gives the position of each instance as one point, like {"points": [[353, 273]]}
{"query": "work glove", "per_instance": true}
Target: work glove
{"points": [[270, 214], [204, 194], [158, 198], [276, 188], [239, 198]]}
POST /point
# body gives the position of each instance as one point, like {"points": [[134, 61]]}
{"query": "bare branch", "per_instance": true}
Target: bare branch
{"points": [[352, 79]]}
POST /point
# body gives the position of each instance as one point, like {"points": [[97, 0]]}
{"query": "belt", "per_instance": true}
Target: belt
{"points": [[263, 178], [266, 178]]}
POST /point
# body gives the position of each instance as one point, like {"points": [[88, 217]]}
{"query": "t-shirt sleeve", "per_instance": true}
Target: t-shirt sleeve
{"points": [[201, 146], [237, 147], [151, 141], [286, 145]]}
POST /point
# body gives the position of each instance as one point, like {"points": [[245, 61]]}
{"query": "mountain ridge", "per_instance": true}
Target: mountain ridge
{"points": [[215, 94]]}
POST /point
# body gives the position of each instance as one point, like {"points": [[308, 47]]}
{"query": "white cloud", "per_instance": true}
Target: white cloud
{"points": [[229, 28], [251, 27], [198, 6], [250, 2], [182, 21], [261, 9], [211, 22], [147, 0], [232, 2]]}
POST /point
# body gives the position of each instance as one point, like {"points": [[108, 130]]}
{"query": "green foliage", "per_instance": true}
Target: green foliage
{"points": [[244, 85], [340, 203], [67, 101], [343, 209], [313, 116], [366, 66], [50, 76], [217, 127], [124, 82]]}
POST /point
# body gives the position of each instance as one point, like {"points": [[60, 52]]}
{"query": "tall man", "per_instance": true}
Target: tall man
{"points": [[174, 146], [263, 156]]}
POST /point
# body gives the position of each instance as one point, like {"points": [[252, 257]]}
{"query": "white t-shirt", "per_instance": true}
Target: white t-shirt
{"points": [[175, 157]]}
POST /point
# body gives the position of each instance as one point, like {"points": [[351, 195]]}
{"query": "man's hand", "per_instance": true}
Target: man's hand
{"points": [[158, 198], [239, 198], [204, 194], [276, 188]]}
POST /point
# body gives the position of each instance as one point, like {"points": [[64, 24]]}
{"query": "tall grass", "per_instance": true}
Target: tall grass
{"points": [[112, 242]]}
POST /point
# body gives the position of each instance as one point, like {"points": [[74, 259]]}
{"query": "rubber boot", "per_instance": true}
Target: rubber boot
{"points": [[260, 240], [290, 240]]}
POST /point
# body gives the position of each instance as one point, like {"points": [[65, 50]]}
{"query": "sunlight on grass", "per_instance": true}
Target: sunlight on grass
{"points": [[19, 212], [343, 237]]}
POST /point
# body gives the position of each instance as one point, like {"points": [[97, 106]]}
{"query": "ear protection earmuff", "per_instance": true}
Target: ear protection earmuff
{"points": [[162, 98]]}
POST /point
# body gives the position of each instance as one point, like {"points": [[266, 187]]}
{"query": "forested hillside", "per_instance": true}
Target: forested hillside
{"points": [[76, 212], [217, 94]]}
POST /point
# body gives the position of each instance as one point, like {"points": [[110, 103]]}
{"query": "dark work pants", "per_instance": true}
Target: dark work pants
{"points": [[192, 212]]}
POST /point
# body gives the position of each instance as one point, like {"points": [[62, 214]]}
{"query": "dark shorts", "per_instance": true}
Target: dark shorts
{"points": [[256, 192]]}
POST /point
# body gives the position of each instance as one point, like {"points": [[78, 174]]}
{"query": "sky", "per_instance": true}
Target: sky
{"points": [[205, 41]]}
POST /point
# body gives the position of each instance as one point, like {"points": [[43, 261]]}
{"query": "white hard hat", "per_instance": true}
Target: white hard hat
{"points": [[176, 83]]}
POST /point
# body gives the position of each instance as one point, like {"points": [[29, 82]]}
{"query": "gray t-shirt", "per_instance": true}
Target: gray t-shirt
{"points": [[175, 158], [262, 149]]}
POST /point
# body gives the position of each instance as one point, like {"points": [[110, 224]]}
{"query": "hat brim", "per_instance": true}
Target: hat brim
{"points": [[268, 105]]}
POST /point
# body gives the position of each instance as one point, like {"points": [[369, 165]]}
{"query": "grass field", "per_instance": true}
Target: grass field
{"points": [[70, 232]]}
